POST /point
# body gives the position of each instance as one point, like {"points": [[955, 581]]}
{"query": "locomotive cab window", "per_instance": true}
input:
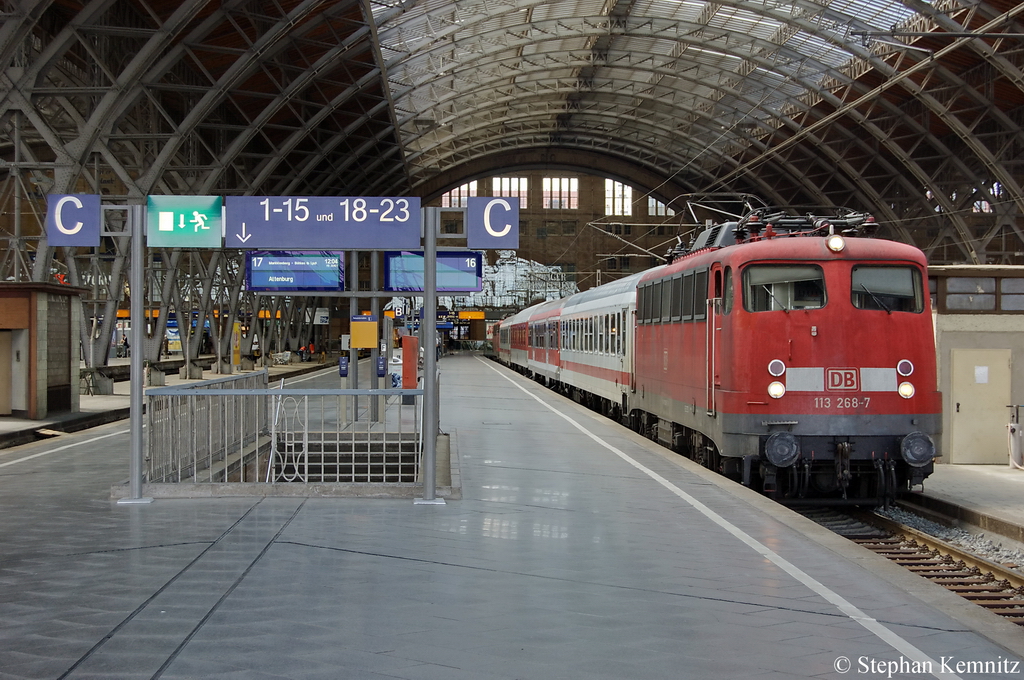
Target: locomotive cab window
{"points": [[769, 288], [892, 289]]}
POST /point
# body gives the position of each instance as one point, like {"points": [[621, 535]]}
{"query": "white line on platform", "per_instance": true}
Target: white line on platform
{"points": [[62, 448], [847, 608]]}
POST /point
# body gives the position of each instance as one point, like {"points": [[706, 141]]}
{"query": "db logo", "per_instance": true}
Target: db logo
{"points": [[841, 379]]}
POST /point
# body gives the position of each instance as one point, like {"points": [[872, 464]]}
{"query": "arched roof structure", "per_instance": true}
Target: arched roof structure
{"points": [[911, 110]]}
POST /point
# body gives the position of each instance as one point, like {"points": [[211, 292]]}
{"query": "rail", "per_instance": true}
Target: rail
{"points": [[227, 430]]}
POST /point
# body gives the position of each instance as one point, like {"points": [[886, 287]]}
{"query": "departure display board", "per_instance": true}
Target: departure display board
{"points": [[294, 271], [458, 271]]}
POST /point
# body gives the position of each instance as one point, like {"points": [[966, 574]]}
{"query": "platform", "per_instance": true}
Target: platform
{"points": [[986, 497], [580, 550]]}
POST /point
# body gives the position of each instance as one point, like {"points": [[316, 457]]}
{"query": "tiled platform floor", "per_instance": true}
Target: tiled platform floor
{"points": [[571, 556]]}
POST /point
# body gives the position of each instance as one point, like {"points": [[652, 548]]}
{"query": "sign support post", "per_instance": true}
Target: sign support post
{"points": [[353, 310], [136, 224], [375, 352], [430, 389]]}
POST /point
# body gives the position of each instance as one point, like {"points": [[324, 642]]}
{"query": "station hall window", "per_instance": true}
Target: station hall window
{"points": [[458, 197], [618, 198], [561, 193], [656, 208], [510, 187]]}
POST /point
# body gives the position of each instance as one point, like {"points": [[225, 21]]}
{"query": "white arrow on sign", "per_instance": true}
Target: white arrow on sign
{"points": [[243, 237]]}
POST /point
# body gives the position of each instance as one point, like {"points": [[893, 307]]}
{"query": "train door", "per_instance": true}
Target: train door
{"points": [[621, 318], [630, 348], [980, 394], [713, 333]]}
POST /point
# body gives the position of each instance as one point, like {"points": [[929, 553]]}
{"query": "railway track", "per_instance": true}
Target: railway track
{"points": [[983, 582]]}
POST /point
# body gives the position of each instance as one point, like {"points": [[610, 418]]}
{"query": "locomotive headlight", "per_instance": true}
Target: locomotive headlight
{"points": [[776, 390], [906, 390], [905, 367], [776, 368], [835, 243], [917, 449]]}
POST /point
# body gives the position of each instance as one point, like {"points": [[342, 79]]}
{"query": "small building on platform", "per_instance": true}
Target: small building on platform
{"points": [[979, 339], [39, 349]]}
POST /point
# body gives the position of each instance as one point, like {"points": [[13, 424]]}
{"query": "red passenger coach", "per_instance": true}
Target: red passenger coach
{"points": [[786, 351]]}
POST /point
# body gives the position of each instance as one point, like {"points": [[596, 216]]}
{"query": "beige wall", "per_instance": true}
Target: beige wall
{"points": [[976, 331]]}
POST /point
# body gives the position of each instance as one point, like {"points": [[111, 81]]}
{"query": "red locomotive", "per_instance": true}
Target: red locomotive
{"points": [[792, 352]]}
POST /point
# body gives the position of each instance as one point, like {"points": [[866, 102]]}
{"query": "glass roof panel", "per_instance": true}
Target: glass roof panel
{"points": [[517, 71]]}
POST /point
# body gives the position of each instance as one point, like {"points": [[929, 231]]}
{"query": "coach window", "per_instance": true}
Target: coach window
{"points": [[700, 294], [666, 301], [727, 292], [771, 287], [893, 289], [656, 302], [677, 298], [687, 309]]}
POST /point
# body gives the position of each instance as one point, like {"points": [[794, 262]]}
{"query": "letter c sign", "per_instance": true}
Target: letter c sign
{"points": [[492, 222], [73, 220]]}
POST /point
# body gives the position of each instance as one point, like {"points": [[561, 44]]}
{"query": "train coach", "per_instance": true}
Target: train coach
{"points": [[792, 352]]}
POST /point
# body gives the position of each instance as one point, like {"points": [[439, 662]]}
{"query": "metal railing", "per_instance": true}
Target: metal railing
{"points": [[239, 430], [324, 436], [190, 428]]}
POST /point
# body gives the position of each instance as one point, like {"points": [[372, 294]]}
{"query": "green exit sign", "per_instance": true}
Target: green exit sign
{"points": [[183, 222]]}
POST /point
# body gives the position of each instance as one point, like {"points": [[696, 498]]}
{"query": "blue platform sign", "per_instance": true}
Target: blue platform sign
{"points": [[457, 271], [322, 222], [73, 220], [290, 271], [492, 222]]}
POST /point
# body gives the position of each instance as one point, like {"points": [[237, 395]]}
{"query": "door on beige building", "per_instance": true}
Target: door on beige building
{"points": [[5, 373], [980, 395]]}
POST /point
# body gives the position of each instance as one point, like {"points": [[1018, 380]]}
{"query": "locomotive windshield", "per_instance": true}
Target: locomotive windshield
{"points": [[892, 289], [771, 287]]}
